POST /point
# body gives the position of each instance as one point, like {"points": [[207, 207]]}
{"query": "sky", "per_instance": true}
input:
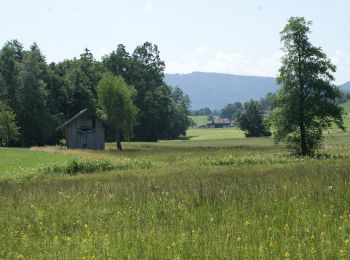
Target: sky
{"points": [[228, 36]]}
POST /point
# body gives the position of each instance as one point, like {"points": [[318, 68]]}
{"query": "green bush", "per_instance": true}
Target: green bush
{"points": [[88, 166], [79, 166]]}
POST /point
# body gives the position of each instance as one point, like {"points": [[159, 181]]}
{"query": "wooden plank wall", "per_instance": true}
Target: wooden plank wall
{"points": [[95, 138]]}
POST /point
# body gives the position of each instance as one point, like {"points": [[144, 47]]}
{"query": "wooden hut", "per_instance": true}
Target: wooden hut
{"points": [[220, 123], [84, 131]]}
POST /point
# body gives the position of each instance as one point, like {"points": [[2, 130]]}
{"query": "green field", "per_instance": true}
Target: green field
{"points": [[215, 195], [200, 120]]}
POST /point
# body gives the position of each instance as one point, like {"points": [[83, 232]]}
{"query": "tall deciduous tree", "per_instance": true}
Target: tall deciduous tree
{"points": [[83, 76], [33, 114], [119, 62], [115, 100], [179, 115], [307, 98], [11, 56], [153, 96], [250, 119]]}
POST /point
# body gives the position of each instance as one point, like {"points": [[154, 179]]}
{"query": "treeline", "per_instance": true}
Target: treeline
{"points": [[42, 96], [231, 109], [266, 103]]}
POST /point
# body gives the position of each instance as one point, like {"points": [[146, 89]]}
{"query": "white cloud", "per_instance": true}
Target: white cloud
{"points": [[341, 58], [342, 61], [201, 51], [233, 63]]}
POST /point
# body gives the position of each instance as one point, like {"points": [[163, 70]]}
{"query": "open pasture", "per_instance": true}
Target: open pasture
{"points": [[216, 198]]}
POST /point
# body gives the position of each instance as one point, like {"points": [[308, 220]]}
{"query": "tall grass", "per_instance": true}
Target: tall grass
{"points": [[243, 202], [299, 211]]}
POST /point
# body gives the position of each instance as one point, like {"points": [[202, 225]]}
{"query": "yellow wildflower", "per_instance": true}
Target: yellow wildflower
{"points": [[19, 256]]}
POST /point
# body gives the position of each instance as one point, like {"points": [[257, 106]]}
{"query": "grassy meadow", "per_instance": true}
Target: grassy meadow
{"points": [[199, 120], [215, 195]]}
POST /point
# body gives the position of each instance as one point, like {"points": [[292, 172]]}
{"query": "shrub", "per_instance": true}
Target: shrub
{"points": [[88, 166]]}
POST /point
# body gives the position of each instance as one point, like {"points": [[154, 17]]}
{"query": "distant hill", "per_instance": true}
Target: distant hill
{"points": [[215, 90], [345, 86]]}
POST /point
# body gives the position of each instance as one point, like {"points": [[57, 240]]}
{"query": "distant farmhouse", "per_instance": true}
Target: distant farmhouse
{"points": [[220, 123], [84, 131]]}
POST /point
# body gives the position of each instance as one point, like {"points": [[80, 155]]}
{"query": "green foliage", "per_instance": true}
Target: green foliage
{"points": [[35, 93], [230, 110], [33, 113], [115, 99], [8, 127], [191, 122], [251, 119], [81, 166], [162, 110], [154, 99], [43, 96], [307, 98], [78, 166], [82, 76], [210, 118], [11, 56], [119, 63], [179, 114], [267, 102]]}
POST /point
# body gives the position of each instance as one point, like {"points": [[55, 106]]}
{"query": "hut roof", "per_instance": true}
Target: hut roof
{"points": [[222, 121], [82, 112]]}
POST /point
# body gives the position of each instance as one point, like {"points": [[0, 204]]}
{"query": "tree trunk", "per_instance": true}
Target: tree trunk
{"points": [[303, 147], [119, 144], [303, 139]]}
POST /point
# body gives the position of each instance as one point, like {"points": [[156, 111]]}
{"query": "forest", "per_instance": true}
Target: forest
{"points": [[36, 97]]}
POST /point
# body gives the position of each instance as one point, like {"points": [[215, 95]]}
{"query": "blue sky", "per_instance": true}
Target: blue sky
{"points": [[230, 36]]}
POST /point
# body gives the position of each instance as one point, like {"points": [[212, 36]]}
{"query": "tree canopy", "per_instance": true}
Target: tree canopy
{"points": [[306, 101], [251, 119], [230, 110], [43, 96], [8, 128], [116, 104]]}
